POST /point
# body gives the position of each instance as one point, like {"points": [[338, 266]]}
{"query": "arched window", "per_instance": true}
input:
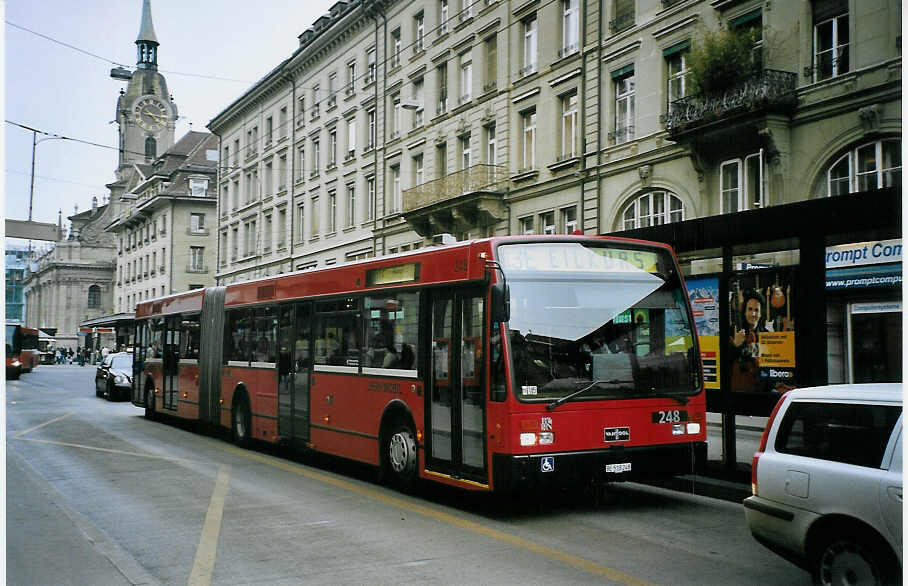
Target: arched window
{"points": [[94, 297], [652, 209], [872, 165], [151, 148]]}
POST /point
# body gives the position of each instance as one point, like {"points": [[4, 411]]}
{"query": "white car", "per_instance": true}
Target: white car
{"points": [[827, 483]]}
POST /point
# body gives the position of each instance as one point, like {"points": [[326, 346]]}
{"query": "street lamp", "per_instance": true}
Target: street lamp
{"points": [[31, 190]]}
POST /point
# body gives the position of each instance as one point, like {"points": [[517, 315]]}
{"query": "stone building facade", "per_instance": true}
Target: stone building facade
{"points": [[394, 122]]}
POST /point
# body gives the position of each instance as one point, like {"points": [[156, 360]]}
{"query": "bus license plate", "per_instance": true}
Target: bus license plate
{"points": [[618, 468]]}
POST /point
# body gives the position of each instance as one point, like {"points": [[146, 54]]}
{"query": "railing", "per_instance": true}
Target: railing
{"points": [[527, 70], [621, 22], [770, 89], [568, 50], [473, 179], [196, 269]]}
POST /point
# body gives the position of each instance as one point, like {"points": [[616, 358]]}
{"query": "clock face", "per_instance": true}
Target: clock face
{"points": [[151, 113]]}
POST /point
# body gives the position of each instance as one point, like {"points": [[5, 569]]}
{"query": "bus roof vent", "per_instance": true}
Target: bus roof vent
{"points": [[266, 292], [443, 239]]}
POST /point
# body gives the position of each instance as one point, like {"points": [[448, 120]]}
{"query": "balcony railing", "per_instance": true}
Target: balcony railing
{"points": [[771, 90], [473, 179], [196, 269]]}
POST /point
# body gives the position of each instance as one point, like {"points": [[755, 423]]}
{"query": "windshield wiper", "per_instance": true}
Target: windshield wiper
{"points": [[555, 404]]}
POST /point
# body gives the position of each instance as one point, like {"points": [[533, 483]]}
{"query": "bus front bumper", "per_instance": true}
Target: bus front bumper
{"points": [[618, 464]]}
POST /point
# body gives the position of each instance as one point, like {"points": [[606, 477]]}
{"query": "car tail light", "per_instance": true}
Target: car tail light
{"points": [[763, 440]]}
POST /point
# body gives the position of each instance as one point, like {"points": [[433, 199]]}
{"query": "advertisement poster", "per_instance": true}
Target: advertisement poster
{"points": [[761, 342], [704, 300]]}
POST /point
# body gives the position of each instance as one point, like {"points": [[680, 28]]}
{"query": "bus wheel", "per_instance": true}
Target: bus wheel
{"points": [[239, 417], [400, 455], [150, 412], [16, 374]]}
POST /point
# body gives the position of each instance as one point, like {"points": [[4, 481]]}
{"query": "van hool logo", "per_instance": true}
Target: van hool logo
{"points": [[377, 387], [616, 434]]}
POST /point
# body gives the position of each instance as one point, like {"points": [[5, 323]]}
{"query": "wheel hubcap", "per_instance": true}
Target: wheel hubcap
{"points": [[844, 564], [401, 453], [240, 417]]}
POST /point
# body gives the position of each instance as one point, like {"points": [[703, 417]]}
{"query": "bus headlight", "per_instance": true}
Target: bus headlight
{"points": [[693, 428], [16, 363], [527, 439], [546, 438]]}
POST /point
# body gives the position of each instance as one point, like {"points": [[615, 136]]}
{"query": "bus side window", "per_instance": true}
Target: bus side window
{"points": [[237, 334], [191, 336], [392, 331]]}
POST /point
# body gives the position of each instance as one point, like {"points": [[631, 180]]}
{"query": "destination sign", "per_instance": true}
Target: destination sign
{"points": [[575, 257], [389, 275]]}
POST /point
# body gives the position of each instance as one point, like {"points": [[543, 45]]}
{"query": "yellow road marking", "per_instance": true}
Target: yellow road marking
{"points": [[108, 450], [203, 566], [519, 542], [21, 433]]}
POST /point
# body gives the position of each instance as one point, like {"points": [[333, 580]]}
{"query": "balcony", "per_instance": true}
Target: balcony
{"points": [[193, 268], [457, 202], [771, 92]]}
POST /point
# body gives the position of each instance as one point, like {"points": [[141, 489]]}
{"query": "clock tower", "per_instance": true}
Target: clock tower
{"points": [[146, 114]]}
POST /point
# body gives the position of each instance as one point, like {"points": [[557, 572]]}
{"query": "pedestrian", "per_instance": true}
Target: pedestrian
{"points": [[104, 352]]}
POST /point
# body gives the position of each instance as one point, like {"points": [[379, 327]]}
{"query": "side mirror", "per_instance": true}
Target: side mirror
{"points": [[501, 302]]}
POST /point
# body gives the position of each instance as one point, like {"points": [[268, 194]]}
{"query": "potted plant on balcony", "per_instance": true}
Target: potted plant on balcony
{"points": [[720, 61]]}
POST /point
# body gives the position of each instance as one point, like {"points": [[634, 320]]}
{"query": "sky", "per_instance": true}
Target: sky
{"points": [[210, 52]]}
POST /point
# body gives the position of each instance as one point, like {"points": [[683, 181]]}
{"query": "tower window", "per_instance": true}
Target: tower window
{"points": [[151, 148], [94, 297]]}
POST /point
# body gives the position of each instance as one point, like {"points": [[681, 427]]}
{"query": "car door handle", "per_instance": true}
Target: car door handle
{"points": [[895, 493]]}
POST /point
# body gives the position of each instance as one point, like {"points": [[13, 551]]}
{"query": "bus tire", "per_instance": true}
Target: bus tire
{"points": [[240, 420], [16, 374], [150, 412], [400, 461]]}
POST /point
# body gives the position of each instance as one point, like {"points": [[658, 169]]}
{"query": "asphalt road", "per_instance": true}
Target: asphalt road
{"points": [[97, 494]]}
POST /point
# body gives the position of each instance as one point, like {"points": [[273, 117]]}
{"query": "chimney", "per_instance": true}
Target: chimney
{"points": [[94, 204]]}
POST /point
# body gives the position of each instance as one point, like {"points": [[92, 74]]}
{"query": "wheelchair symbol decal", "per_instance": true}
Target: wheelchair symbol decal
{"points": [[548, 464]]}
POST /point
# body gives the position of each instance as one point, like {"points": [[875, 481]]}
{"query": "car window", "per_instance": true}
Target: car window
{"points": [[839, 432], [122, 361]]}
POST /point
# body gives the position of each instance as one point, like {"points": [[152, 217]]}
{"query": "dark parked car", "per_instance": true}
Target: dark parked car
{"points": [[113, 379]]}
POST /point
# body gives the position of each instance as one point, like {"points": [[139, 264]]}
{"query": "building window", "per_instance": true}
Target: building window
{"points": [[441, 160], [250, 243], [301, 218], [269, 178], [830, 39], [269, 130], [623, 15], [529, 139], [526, 225], [370, 65], [300, 110], [395, 48], [624, 105], [222, 248], [569, 220], [466, 78], [464, 143], [234, 244], [370, 198], [351, 205], [441, 73], [269, 234], [676, 66], [314, 216], [282, 172], [547, 222], [741, 183], [332, 148], [570, 28], [395, 189], [491, 144], [151, 148], [197, 223], [94, 297], [870, 166], [418, 111], [316, 156], [282, 122], [442, 17], [370, 128], [225, 199], [491, 54], [315, 103], [281, 228], [332, 212], [529, 45], [652, 209], [419, 30], [351, 78], [351, 138], [569, 129], [196, 259], [466, 10], [418, 172], [332, 89], [300, 163]]}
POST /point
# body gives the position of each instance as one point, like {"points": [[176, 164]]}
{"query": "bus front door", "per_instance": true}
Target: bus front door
{"points": [[171, 366], [455, 417], [294, 364]]}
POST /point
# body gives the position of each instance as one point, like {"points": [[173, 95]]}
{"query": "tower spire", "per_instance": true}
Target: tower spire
{"points": [[147, 41]]}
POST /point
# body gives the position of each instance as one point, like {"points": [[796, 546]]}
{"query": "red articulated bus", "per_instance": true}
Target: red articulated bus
{"points": [[22, 354], [488, 365]]}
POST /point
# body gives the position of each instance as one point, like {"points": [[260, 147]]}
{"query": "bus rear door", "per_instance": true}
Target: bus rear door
{"points": [[294, 366]]}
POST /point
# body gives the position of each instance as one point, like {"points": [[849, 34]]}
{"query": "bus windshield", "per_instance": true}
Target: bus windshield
{"points": [[610, 320]]}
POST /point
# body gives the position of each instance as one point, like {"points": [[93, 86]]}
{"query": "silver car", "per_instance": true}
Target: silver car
{"points": [[827, 483]]}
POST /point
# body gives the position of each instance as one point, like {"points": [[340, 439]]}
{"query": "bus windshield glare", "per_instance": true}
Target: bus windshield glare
{"points": [[611, 320]]}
